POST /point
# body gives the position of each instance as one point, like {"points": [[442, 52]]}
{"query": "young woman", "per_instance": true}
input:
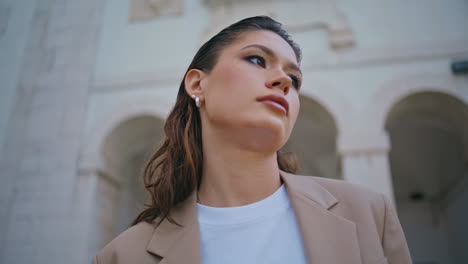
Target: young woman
{"points": [[221, 190]]}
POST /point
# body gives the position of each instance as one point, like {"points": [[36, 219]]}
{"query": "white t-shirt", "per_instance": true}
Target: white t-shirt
{"points": [[262, 232]]}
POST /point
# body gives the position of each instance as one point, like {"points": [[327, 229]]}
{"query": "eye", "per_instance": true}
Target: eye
{"points": [[255, 59], [295, 81]]}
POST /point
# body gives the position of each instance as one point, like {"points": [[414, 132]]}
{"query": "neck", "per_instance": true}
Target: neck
{"points": [[233, 176]]}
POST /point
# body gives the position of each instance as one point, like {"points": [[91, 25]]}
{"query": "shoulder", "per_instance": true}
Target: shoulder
{"points": [[341, 190], [366, 208], [346, 191], [361, 205], [373, 213], [131, 243], [349, 200]]}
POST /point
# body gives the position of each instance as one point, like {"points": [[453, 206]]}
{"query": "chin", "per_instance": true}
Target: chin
{"points": [[266, 135], [260, 132]]}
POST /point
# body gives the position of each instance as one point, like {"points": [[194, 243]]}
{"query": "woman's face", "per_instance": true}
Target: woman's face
{"points": [[251, 95]]}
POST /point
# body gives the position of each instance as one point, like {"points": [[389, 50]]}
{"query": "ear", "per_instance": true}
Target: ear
{"points": [[193, 82]]}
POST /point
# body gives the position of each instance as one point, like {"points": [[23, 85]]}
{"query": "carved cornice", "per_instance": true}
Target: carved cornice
{"points": [[144, 10], [308, 15]]}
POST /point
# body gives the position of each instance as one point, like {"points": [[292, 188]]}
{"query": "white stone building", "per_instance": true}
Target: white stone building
{"points": [[86, 85]]}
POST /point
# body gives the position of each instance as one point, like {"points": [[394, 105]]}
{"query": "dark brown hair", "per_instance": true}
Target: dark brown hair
{"points": [[174, 170]]}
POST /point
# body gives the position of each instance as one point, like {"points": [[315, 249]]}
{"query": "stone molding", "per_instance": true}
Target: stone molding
{"points": [[395, 90], [144, 10], [363, 142], [127, 81], [364, 58], [369, 135], [91, 158], [389, 55], [319, 14]]}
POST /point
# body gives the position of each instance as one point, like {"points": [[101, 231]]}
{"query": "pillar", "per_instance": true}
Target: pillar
{"points": [[364, 159]]}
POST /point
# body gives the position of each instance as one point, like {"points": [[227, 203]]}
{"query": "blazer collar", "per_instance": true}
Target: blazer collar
{"points": [[178, 244], [327, 238], [307, 187]]}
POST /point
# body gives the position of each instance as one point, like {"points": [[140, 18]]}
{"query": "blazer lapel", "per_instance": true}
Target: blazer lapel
{"points": [[178, 244], [327, 238]]}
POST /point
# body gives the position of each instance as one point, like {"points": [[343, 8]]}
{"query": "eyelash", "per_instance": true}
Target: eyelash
{"points": [[262, 60], [294, 78]]}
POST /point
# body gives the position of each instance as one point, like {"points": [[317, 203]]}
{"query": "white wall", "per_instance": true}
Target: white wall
{"points": [[166, 43], [18, 15], [392, 38]]}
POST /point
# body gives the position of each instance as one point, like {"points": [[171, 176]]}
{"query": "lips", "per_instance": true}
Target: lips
{"points": [[276, 99]]}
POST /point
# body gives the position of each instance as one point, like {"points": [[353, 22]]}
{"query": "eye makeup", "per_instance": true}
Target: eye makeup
{"points": [[260, 61]]}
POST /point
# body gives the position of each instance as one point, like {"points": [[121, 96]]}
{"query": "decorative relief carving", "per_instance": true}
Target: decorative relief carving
{"points": [[144, 10], [306, 15]]}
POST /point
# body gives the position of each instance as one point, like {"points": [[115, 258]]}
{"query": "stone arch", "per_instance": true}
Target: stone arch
{"points": [[314, 140], [396, 89], [91, 158], [124, 151], [421, 126], [426, 118], [100, 185], [334, 103]]}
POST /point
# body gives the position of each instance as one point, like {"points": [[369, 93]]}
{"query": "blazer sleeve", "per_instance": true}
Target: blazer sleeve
{"points": [[393, 240]]}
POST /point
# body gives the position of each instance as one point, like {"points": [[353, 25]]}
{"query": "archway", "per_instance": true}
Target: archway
{"points": [[429, 163], [120, 194], [314, 141]]}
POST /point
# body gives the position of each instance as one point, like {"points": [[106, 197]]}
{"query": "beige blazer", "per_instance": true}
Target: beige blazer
{"points": [[339, 222]]}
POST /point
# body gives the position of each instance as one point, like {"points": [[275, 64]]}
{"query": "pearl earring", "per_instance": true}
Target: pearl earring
{"points": [[197, 100]]}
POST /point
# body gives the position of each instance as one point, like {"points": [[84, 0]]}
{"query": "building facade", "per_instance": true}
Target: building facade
{"points": [[86, 86]]}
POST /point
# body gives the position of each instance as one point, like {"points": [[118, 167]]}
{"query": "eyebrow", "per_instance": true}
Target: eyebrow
{"points": [[271, 53]]}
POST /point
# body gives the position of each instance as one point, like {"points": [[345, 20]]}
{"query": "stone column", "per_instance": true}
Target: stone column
{"points": [[39, 159], [96, 203], [85, 204], [364, 157]]}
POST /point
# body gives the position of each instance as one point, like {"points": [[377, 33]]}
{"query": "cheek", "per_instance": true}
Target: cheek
{"points": [[232, 79], [229, 87]]}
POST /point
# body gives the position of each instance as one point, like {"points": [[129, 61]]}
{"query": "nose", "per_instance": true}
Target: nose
{"points": [[279, 79]]}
